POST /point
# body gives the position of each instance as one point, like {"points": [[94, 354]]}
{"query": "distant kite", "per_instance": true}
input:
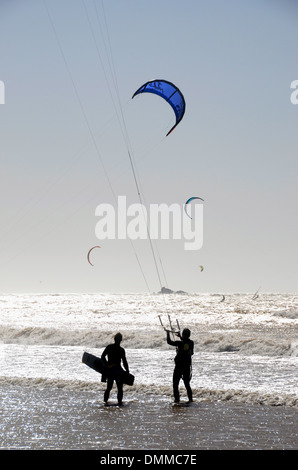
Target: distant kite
{"points": [[89, 254], [202, 268], [188, 200], [256, 295], [169, 92]]}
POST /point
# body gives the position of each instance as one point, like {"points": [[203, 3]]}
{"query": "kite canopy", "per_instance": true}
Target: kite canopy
{"points": [[169, 92], [190, 199], [88, 255]]}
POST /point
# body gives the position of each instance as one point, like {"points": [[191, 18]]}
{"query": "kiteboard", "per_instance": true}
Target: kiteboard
{"points": [[128, 379], [94, 363], [99, 366]]}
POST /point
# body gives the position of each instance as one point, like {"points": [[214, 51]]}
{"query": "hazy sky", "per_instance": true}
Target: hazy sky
{"points": [[63, 151]]}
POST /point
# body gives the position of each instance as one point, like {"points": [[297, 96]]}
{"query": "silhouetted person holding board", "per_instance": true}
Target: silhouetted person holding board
{"points": [[115, 354], [182, 370]]}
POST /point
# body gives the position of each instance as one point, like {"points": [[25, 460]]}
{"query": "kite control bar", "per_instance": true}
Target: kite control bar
{"points": [[171, 329]]}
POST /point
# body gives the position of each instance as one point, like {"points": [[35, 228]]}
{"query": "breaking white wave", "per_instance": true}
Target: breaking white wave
{"points": [[199, 394], [243, 342]]}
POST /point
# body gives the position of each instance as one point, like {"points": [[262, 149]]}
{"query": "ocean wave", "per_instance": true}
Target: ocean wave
{"points": [[221, 342], [252, 398], [268, 346], [161, 391], [292, 314], [87, 338], [294, 349]]}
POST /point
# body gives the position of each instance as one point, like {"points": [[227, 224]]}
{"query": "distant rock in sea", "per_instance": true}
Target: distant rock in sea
{"points": [[165, 290]]}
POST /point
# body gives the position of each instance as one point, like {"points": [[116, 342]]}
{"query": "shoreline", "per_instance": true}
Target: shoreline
{"points": [[53, 418]]}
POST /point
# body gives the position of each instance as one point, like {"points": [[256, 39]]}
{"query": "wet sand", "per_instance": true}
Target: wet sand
{"points": [[52, 418]]}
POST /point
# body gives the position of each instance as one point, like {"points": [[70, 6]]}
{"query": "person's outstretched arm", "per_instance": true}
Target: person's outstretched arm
{"points": [[169, 341]]}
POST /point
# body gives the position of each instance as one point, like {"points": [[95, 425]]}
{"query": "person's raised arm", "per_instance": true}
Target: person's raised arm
{"points": [[169, 341]]}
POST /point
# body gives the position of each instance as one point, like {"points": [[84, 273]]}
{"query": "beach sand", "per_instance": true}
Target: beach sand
{"points": [[52, 418]]}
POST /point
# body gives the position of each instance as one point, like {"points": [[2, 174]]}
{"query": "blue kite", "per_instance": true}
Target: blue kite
{"points": [[169, 92]]}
